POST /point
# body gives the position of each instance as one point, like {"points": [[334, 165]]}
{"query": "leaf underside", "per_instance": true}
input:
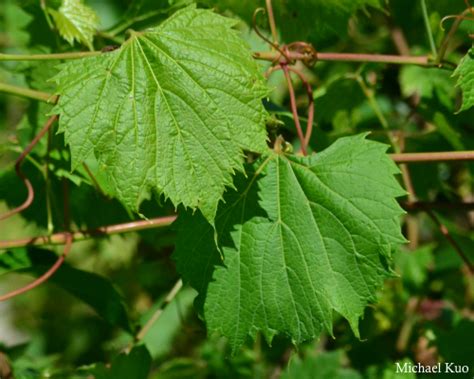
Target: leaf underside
{"points": [[303, 237], [171, 111]]}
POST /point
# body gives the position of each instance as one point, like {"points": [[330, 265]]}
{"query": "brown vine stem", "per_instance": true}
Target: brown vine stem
{"points": [[452, 31], [157, 314], [56, 266], [447, 156], [294, 108], [48, 274], [347, 57], [309, 92], [61, 238], [26, 181], [445, 232], [271, 21], [93, 179], [28, 93]]}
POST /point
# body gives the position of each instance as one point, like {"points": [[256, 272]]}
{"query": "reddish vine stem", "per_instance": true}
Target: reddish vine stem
{"points": [[309, 92], [294, 108], [452, 31], [445, 232], [61, 238], [43, 278], [26, 181], [347, 57], [271, 21], [57, 265], [445, 156]]}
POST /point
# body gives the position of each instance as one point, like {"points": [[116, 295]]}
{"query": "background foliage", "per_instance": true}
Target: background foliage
{"points": [[86, 320]]}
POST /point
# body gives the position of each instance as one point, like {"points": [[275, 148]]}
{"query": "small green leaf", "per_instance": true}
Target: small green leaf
{"points": [[413, 266], [91, 288], [76, 22], [171, 111], [427, 82], [135, 365], [303, 237], [341, 95], [465, 80], [445, 128], [323, 366]]}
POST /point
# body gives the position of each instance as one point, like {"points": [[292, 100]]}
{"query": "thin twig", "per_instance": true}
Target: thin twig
{"points": [[447, 156], [26, 181], [44, 8], [294, 108], [445, 232], [346, 57], [157, 314], [447, 39], [28, 93], [271, 21], [43, 278], [429, 32], [309, 92], [49, 57], [60, 238], [93, 179], [410, 319], [47, 177], [56, 266]]}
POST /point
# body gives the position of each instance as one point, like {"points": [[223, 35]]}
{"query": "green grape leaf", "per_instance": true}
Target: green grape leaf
{"points": [[172, 110], [426, 82], [94, 290], [325, 365], [135, 365], [301, 238], [413, 266], [76, 21], [341, 95], [465, 80]]}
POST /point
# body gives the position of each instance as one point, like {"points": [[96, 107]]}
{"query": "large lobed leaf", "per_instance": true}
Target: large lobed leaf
{"points": [[172, 110], [465, 74], [303, 237]]}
